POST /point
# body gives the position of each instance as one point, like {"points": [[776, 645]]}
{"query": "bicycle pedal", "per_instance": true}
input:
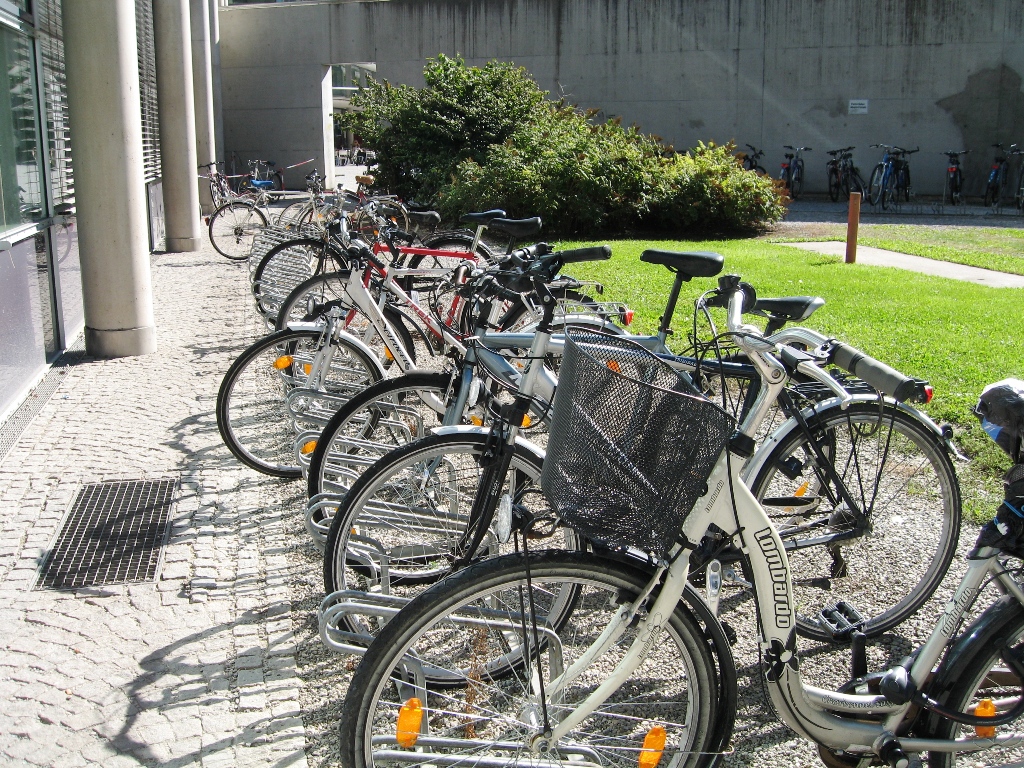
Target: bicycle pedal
{"points": [[841, 621]]}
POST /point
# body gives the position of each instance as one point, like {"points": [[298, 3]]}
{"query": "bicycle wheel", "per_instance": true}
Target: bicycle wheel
{"points": [[875, 184], [295, 215], [1019, 197], [410, 511], [981, 675], [365, 224], [462, 650], [905, 183], [233, 227], [261, 408], [992, 191], [285, 266], [889, 189], [796, 183], [896, 468], [833, 184], [387, 415]]}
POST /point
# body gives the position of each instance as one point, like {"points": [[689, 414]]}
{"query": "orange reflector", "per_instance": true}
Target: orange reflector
{"points": [[387, 354], [308, 448], [284, 361], [985, 708], [477, 421], [654, 745], [802, 489], [527, 421], [307, 368], [613, 366], [410, 716]]}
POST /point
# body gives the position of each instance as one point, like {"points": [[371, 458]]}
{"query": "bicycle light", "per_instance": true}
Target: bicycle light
{"points": [[284, 361], [410, 716], [929, 393], [627, 317], [985, 708], [654, 745]]}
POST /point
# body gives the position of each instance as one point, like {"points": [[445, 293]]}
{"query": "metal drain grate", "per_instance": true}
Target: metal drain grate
{"points": [[114, 534], [12, 429]]}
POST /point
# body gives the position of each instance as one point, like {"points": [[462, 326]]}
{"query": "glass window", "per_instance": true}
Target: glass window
{"points": [[21, 192]]}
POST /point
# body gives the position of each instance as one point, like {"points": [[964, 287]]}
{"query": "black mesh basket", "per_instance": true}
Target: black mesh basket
{"points": [[631, 444]]}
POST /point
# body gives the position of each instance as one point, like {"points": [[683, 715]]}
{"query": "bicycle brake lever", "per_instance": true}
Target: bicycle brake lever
{"points": [[811, 371]]}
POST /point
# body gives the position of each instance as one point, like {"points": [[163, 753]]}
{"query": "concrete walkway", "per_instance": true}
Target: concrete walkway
{"points": [[877, 257]]}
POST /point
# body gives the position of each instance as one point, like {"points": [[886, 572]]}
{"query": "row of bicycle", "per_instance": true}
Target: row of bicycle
{"points": [[411, 379], [889, 182]]}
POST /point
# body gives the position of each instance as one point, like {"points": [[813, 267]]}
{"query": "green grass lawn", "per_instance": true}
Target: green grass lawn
{"points": [[998, 248], [960, 336]]}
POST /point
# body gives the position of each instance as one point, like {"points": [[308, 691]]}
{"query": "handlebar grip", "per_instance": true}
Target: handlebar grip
{"points": [[877, 374], [578, 255]]}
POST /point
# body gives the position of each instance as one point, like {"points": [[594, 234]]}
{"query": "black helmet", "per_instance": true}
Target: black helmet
{"points": [[1001, 410]]}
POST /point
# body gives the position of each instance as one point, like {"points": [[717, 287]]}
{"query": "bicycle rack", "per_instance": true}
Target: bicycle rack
{"points": [[319, 515]]}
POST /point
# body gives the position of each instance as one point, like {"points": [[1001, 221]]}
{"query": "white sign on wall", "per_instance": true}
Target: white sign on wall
{"points": [[858, 106]]}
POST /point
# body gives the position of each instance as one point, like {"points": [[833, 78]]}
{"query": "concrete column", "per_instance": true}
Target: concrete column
{"points": [[106, 120], [172, 32], [218, 109], [202, 84], [327, 102]]}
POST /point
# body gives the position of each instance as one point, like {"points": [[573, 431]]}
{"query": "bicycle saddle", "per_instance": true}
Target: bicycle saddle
{"points": [[262, 183], [689, 264], [790, 308], [485, 217], [517, 227], [366, 181], [425, 218]]}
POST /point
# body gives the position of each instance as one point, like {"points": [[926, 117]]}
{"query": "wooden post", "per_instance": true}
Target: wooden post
{"points": [[852, 223]]}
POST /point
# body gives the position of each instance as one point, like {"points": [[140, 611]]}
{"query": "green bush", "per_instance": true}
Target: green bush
{"points": [[478, 138]]}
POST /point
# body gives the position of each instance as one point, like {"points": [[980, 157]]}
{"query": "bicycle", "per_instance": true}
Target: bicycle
{"points": [[891, 176], [220, 188], [998, 175], [816, 473], [604, 658], [954, 187], [792, 173], [750, 160], [842, 174]]}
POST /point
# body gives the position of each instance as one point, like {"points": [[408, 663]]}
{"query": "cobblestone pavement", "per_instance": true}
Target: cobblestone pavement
{"points": [[199, 667]]}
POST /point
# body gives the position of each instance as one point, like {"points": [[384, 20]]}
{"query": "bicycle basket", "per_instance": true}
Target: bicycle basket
{"points": [[631, 444]]}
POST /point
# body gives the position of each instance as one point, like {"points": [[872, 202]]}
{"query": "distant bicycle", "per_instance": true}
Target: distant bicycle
{"points": [[843, 176], [792, 173], [891, 178], [750, 159], [953, 192], [999, 176]]}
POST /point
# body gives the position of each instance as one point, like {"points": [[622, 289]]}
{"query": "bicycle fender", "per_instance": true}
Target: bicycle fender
{"points": [[753, 466], [469, 429], [348, 338]]}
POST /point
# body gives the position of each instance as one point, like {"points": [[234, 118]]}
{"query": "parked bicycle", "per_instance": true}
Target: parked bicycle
{"points": [[890, 180], [601, 658], [792, 173], [999, 176], [826, 468], [220, 188], [750, 159], [843, 176], [953, 191]]}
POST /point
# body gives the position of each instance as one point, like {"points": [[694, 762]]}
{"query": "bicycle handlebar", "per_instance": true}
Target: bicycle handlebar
{"points": [[876, 373]]}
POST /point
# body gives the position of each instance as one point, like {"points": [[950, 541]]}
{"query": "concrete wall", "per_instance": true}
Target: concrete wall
{"points": [[942, 74]]}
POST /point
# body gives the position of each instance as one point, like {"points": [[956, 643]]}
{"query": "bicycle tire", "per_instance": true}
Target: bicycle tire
{"points": [[992, 190], [379, 419], [233, 227], [252, 411], [365, 226], [1019, 197], [979, 674], [905, 182], [311, 298], [417, 498], [875, 184], [916, 476], [285, 266], [834, 185], [796, 182], [889, 189], [480, 671]]}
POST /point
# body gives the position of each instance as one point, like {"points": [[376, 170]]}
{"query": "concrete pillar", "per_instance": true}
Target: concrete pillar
{"points": [[106, 120], [218, 109], [202, 85], [172, 32], [327, 105]]}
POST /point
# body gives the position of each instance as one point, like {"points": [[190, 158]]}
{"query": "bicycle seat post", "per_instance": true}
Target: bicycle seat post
{"points": [[670, 308]]}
